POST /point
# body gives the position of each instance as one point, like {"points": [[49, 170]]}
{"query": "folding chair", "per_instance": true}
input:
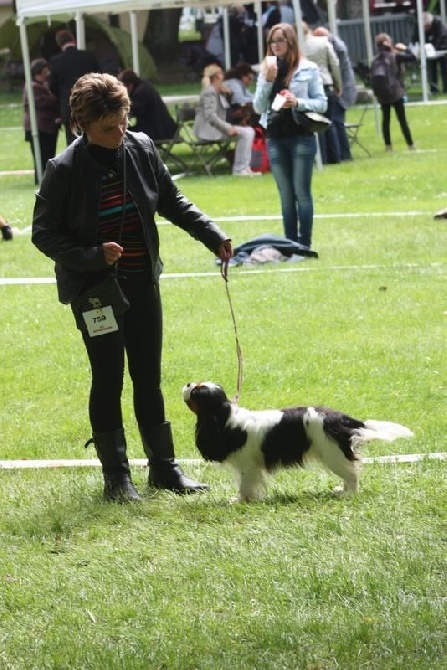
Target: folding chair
{"points": [[207, 153], [353, 129], [166, 150]]}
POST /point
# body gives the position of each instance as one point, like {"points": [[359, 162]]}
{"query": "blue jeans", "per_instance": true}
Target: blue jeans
{"points": [[292, 162]]}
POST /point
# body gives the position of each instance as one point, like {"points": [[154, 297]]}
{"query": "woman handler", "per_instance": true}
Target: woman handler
{"points": [[77, 219]]}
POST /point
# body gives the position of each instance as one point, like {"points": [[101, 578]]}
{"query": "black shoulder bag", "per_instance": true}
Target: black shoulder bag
{"points": [[107, 293], [312, 122]]}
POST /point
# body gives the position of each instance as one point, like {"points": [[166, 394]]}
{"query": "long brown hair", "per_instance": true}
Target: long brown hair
{"points": [[293, 54]]}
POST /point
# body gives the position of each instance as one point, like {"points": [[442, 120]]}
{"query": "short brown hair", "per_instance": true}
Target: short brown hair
{"points": [[128, 76], [63, 37], [38, 65], [95, 96]]}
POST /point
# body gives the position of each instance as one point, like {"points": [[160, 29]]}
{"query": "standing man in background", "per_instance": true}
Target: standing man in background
{"points": [[436, 34], [338, 148], [66, 68], [321, 52], [279, 12]]}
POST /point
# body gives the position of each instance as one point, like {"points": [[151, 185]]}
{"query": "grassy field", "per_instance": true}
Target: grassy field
{"points": [[304, 580]]}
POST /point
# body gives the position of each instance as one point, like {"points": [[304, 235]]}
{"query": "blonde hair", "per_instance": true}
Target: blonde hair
{"points": [[209, 73]]}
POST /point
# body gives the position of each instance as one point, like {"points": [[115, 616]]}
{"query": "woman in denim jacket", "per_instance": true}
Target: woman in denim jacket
{"points": [[290, 148]]}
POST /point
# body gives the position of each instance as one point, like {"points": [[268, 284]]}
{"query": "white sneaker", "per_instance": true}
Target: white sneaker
{"points": [[248, 172]]}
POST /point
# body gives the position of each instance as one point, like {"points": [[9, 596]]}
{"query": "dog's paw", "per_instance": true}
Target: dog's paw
{"points": [[342, 491], [252, 498], [241, 500]]}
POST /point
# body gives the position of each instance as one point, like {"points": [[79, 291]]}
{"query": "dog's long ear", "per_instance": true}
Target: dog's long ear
{"points": [[191, 404], [211, 439], [208, 399]]}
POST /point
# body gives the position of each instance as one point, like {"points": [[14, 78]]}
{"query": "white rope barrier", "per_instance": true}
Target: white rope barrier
{"points": [[29, 464]]}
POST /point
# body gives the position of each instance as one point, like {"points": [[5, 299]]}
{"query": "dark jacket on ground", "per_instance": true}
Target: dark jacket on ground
{"points": [[149, 113], [66, 210]]}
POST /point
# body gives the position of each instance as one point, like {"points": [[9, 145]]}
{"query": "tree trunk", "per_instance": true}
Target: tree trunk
{"points": [[161, 37]]}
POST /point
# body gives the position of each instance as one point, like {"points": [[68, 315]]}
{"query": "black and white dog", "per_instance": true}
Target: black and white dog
{"points": [[254, 443]]}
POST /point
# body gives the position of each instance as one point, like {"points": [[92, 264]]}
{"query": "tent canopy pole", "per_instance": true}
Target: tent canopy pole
{"points": [[32, 106]]}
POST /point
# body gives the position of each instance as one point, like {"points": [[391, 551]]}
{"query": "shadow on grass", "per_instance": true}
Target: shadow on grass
{"points": [[53, 510]]}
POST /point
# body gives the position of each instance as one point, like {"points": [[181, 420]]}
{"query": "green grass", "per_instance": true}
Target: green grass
{"points": [[304, 580]]}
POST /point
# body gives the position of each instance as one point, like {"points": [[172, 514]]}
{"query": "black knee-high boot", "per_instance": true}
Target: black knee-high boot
{"points": [[164, 471], [111, 448]]}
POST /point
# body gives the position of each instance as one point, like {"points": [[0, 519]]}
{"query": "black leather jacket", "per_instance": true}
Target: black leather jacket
{"points": [[66, 209]]}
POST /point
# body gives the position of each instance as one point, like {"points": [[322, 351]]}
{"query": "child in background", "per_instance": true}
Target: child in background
{"points": [[393, 56]]}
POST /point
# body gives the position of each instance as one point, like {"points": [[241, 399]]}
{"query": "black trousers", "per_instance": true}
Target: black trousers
{"points": [[329, 143], [433, 70], [139, 337], [47, 144], [399, 108]]}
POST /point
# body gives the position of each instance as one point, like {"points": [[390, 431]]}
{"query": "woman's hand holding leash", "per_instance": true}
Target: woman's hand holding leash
{"points": [[225, 251]]}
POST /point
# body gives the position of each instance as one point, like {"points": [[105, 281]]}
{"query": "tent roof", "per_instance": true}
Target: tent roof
{"points": [[27, 8]]}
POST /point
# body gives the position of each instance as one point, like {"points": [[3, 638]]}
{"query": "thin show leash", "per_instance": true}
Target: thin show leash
{"points": [[224, 273]]}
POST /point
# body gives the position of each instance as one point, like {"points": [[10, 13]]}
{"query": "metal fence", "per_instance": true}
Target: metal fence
{"points": [[352, 32]]}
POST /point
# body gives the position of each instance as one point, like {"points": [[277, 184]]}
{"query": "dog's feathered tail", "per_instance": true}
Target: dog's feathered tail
{"points": [[379, 430]]}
